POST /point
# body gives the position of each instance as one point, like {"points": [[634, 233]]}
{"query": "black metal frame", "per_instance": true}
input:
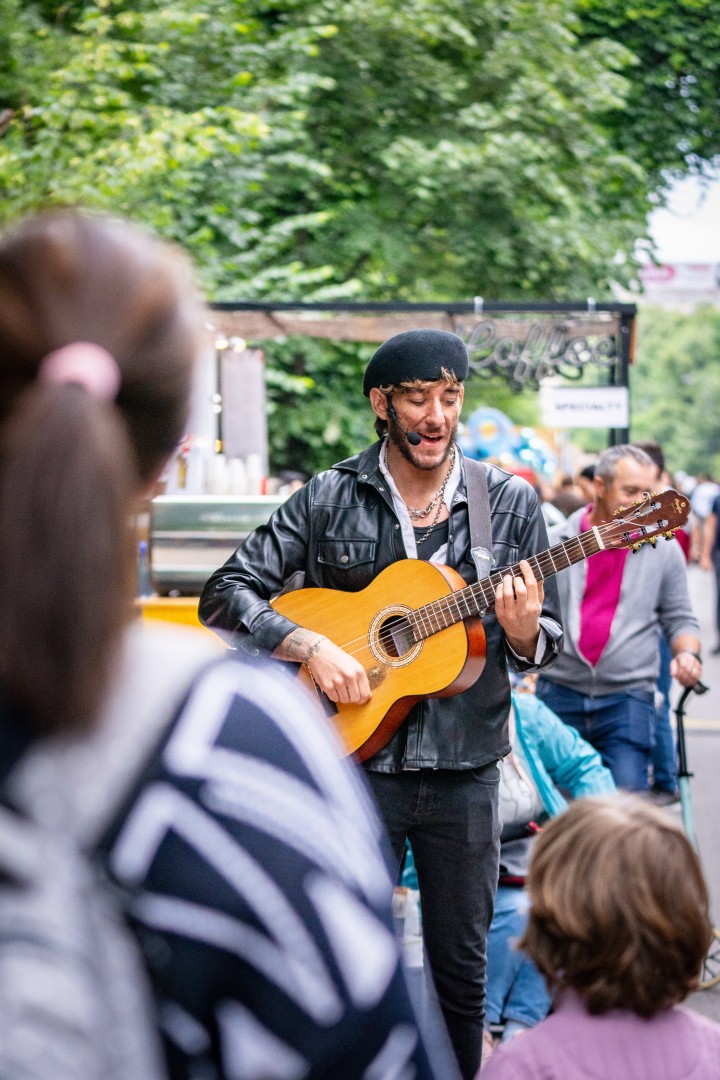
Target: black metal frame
{"points": [[619, 373]]}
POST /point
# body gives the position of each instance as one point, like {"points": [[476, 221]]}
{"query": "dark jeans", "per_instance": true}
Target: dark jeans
{"points": [[451, 820], [619, 726]]}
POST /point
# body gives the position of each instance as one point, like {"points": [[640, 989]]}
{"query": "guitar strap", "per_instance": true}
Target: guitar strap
{"points": [[479, 516]]}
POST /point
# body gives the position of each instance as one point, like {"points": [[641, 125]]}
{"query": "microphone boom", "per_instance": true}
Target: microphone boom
{"points": [[412, 436]]}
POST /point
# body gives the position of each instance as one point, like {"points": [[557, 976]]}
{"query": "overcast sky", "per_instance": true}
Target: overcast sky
{"points": [[689, 230]]}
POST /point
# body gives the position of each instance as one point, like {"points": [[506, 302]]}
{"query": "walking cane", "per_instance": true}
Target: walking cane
{"points": [[710, 975], [684, 774]]}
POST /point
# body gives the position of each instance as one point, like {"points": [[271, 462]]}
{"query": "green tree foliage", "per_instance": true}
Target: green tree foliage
{"points": [[462, 151], [330, 149], [316, 412], [676, 386], [670, 122], [334, 147]]}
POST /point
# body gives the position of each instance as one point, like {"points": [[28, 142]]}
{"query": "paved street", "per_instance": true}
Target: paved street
{"points": [[703, 747]]}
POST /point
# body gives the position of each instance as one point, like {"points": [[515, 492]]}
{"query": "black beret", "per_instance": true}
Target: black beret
{"points": [[416, 354]]}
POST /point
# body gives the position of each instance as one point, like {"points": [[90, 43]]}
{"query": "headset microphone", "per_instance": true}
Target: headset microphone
{"points": [[412, 436]]}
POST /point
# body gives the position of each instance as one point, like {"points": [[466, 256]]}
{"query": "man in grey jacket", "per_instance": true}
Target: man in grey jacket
{"points": [[614, 607], [437, 779]]}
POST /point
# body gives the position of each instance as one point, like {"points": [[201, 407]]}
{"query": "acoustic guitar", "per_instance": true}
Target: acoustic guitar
{"points": [[417, 628]]}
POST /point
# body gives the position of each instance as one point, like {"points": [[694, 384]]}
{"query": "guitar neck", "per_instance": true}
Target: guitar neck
{"points": [[475, 600]]}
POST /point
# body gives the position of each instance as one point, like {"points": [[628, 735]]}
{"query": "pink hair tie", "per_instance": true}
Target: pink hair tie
{"points": [[86, 364]]}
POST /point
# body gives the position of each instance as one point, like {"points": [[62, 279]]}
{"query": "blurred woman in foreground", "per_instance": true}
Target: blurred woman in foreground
{"points": [[259, 891]]}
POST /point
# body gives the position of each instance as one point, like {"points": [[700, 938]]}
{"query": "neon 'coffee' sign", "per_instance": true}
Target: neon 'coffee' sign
{"points": [[525, 353]]}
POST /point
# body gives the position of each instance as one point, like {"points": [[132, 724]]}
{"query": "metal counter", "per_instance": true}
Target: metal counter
{"points": [[191, 535]]}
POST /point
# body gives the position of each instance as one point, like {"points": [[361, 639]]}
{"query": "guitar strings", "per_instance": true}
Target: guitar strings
{"points": [[438, 607], [486, 588], [539, 563]]}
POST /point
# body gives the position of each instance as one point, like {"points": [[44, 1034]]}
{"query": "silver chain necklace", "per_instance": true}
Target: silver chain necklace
{"points": [[421, 539], [436, 501], [416, 514]]}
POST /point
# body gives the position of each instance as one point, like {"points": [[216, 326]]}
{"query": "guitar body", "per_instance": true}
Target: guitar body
{"points": [[371, 625]]}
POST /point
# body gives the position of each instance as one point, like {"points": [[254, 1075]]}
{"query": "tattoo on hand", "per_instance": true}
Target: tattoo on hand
{"points": [[312, 650], [300, 646]]}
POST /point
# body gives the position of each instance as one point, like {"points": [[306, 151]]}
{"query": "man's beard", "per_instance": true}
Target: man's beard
{"points": [[399, 440]]}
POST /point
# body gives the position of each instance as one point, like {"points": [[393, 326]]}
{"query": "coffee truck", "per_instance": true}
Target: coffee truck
{"points": [[215, 490]]}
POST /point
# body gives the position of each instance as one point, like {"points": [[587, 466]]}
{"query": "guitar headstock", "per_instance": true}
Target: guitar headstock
{"points": [[645, 520]]}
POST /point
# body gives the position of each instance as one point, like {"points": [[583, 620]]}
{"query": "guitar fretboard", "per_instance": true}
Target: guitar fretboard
{"points": [[476, 599]]}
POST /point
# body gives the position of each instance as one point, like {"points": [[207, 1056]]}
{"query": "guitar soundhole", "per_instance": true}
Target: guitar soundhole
{"points": [[396, 636], [391, 637]]}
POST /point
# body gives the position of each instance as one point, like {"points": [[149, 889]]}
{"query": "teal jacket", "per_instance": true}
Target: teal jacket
{"points": [[556, 757]]}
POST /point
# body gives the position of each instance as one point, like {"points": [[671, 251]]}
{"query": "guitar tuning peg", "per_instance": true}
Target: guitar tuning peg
{"points": [[653, 540], [621, 509], [669, 535], [636, 547]]}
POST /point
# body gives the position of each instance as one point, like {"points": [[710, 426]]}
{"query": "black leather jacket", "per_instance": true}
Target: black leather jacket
{"points": [[340, 531]]}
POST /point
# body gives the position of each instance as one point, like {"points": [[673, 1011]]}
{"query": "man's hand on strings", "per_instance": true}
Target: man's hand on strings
{"points": [[518, 605], [338, 674]]}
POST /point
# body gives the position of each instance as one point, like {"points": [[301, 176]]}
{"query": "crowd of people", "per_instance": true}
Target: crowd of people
{"points": [[253, 863]]}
